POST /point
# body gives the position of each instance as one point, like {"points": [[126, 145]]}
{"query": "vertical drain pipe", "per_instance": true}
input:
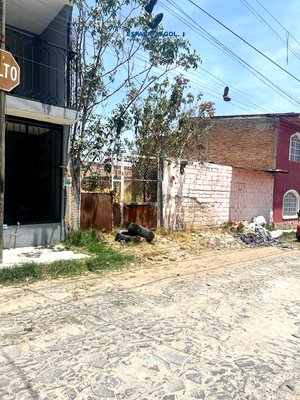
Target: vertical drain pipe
{"points": [[161, 190], [13, 234]]}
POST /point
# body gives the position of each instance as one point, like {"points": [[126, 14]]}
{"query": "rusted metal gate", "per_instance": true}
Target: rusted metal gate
{"points": [[142, 214], [133, 180], [96, 211], [135, 184]]}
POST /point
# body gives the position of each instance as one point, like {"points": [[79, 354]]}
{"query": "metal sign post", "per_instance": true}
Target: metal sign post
{"points": [[9, 79], [2, 133]]}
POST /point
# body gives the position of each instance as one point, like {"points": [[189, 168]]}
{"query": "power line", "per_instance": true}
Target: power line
{"points": [[112, 54], [256, 100], [213, 88], [277, 21], [248, 100], [265, 23], [263, 103], [202, 32], [243, 40], [216, 43]]}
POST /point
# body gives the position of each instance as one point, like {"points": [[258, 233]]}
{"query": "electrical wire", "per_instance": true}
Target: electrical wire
{"points": [[91, 38], [279, 88], [268, 26], [242, 39], [202, 32], [256, 100], [215, 89], [249, 96], [219, 86], [277, 21], [194, 76], [232, 89]]}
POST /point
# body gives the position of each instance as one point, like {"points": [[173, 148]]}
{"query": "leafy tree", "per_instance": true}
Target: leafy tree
{"points": [[166, 122], [100, 31]]}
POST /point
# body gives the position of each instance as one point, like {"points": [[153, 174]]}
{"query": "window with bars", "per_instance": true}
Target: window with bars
{"points": [[290, 204], [295, 147]]}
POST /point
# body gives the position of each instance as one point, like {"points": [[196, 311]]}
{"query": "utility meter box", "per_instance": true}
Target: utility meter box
{"points": [[67, 181]]}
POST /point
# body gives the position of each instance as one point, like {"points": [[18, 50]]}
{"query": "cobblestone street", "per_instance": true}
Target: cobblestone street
{"points": [[223, 326]]}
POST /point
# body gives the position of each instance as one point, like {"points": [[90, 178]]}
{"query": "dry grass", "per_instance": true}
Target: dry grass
{"points": [[174, 245], [290, 238]]}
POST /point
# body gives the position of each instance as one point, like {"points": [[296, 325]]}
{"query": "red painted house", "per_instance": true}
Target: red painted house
{"points": [[261, 142], [287, 186]]}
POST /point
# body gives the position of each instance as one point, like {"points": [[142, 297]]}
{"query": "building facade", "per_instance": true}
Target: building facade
{"points": [[39, 115], [207, 195], [269, 143], [287, 186]]}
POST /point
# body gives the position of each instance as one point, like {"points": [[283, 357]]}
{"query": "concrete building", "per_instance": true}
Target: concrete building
{"points": [[207, 195], [256, 144], [39, 114]]}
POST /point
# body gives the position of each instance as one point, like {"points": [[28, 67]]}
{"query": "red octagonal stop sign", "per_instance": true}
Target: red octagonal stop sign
{"points": [[9, 71]]}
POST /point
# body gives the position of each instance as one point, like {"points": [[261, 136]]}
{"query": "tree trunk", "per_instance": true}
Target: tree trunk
{"points": [[75, 193]]}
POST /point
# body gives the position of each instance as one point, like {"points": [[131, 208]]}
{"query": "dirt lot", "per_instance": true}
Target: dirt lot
{"points": [[221, 326], [203, 317], [175, 246]]}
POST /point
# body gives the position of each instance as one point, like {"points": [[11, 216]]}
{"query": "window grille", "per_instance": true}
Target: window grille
{"points": [[33, 177], [295, 148], [290, 204], [48, 73]]}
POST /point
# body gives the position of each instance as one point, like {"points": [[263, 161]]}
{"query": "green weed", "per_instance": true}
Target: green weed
{"points": [[102, 258], [15, 336], [71, 319], [288, 234], [118, 303]]}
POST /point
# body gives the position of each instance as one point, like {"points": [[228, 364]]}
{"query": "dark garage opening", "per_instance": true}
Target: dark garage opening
{"points": [[33, 155]]}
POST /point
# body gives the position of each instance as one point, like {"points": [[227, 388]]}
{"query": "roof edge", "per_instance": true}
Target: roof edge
{"points": [[268, 115]]}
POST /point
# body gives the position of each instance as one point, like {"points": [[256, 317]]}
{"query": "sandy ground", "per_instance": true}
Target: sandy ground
{"points": [[218, 326]]}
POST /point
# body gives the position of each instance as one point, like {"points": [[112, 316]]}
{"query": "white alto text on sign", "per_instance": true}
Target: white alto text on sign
{"points": [[9, 71]]}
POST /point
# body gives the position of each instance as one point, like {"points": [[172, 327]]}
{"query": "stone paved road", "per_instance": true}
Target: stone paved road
{"points": [[220, 327]]}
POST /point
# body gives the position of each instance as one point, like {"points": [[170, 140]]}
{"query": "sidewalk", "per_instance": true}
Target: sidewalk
{"points": [[38, 254]]}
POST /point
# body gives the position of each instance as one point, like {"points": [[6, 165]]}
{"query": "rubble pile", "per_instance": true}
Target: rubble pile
{"points": [[219, 240], [255, 233]]}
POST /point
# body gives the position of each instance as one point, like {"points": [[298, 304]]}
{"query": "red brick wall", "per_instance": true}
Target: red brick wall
{"points": [[241, 141]]}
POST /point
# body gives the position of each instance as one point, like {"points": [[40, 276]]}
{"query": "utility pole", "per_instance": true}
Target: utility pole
{"points": [[2, 132]]}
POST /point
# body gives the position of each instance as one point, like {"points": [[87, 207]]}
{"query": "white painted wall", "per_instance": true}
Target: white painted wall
{"points": [[210, 195], [251, 194]]}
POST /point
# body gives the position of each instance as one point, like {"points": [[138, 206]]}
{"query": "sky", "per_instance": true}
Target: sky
{"points": [[244, 85], [249, 95], [236, 16]]}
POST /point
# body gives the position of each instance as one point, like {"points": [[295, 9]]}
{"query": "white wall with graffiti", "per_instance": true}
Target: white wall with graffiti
{"points": [[251, 194], [212, 194]]}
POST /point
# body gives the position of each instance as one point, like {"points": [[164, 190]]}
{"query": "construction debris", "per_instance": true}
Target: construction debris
{"points": [[260, 221], [255, 233], [276, 234]]}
